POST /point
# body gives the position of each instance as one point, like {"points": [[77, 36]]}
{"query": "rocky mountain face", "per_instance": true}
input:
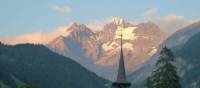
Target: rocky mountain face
{"points": [[185, 45], [99, 51], [39, 66], [77, 44]]}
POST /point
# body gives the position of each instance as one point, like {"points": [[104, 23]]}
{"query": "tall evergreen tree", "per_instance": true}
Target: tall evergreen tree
{"points": [[165, 75]]}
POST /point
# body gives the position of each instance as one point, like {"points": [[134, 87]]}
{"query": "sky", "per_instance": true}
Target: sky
{"points": [[20, 17]]}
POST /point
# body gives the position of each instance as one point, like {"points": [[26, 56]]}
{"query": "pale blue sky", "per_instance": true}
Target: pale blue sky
{"points": [[26, 16]]}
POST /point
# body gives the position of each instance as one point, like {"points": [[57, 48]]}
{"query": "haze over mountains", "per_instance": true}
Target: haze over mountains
{"points": [[99, 51]]}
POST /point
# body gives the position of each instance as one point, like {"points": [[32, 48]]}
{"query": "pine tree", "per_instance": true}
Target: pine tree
{"points": [[165, 75]]}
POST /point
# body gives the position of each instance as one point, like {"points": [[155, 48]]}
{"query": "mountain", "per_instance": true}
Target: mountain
{"points": [[182, 35], [139, 42], [37, 65], [99, 51], [75, 44], [78, 45], [185, 44], [189, 62]]}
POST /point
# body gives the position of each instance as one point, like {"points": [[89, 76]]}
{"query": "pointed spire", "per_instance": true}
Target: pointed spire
{"points": [[121, 77], [121, 81]]}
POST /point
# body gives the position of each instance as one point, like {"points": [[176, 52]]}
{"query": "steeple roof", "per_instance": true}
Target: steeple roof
{"points": [[121, 76]]}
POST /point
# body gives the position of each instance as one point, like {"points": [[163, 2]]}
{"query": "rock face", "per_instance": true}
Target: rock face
{"points": [[99, 51], [185, 45]]}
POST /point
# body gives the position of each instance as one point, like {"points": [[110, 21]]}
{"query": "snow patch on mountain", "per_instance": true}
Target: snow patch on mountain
{"points": [[128, 46], [128, 33], [114, 45], [153, 51], [110, 46]]}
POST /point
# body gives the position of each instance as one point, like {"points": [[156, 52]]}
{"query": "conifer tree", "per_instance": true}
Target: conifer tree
{"points": [[165, 75]]}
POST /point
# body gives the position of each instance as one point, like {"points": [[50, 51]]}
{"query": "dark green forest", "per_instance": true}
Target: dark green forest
{"points": [[37, 65]]}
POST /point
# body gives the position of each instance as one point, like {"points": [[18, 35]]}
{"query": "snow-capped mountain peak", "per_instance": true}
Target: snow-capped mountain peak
{"points": [[117, 20]]}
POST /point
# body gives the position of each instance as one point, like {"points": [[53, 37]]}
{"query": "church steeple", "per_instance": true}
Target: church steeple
{"points": [[121, 76], [121, 81]]}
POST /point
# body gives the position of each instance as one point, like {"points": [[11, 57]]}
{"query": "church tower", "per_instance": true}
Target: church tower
{"points": [[121, 81]]}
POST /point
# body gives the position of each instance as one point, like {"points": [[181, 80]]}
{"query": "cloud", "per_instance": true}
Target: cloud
{"points": [[37, 37], [172, 22], [26, 38], [97, 25], [62, 9], [169, 23], [150, 12]]}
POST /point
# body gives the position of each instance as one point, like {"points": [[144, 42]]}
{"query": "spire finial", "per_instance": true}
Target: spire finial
{"points": [[121, 40]]}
